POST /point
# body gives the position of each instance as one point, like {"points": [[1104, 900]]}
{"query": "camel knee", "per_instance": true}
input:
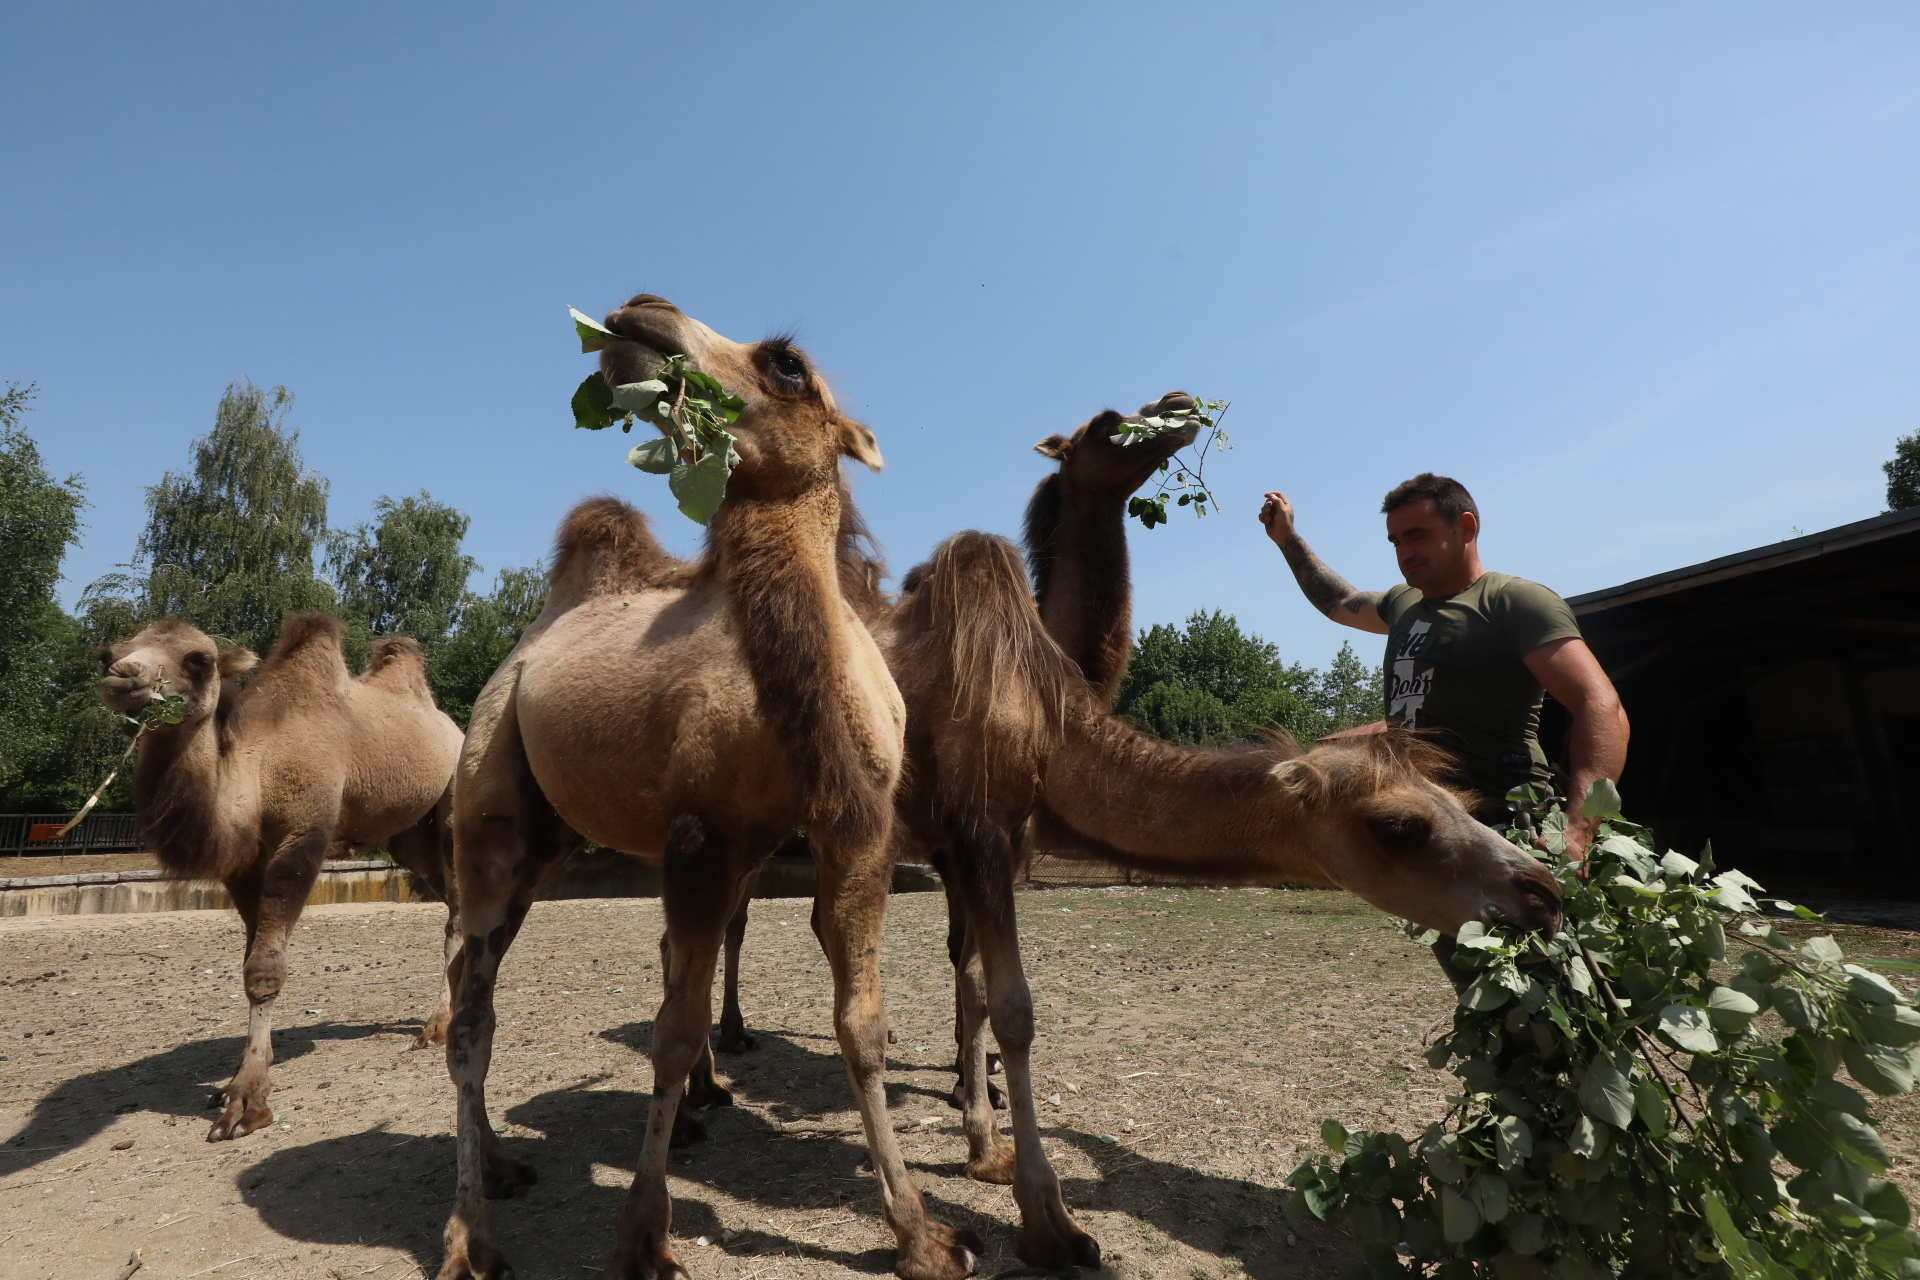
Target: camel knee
{"points": [[1013, 1020], [265, 974]]}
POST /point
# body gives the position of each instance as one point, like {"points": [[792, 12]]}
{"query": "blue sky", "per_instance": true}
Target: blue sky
{"points": [[1643, 276]]}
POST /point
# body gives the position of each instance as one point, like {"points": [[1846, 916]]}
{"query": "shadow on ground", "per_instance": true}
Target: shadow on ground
{"points": [[174, 1083], [378, 1188]]}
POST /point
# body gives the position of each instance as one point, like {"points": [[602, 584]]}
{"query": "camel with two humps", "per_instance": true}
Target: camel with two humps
{"points": [[263, 779]]}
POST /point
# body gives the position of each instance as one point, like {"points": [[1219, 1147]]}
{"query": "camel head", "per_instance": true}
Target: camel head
{"points": [[1089, 458], [791, 434], [170, 657], [1389, 833]]}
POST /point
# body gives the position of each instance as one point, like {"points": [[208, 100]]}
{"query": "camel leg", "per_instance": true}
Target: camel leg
{"points": [[990, 1158], [698, 892], [849, 909], [703, 1086], [1049, 1237], [498, 864], [733, 1027], [969, 1020], [425, 850], [278, 896]]}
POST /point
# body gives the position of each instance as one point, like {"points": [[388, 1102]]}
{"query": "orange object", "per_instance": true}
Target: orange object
{"points": [[45, 831]]}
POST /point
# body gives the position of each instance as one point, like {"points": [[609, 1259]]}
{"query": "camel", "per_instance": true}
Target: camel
{"points": [[692, 714], [257, 786], [1077, 549], [1004, 728]]}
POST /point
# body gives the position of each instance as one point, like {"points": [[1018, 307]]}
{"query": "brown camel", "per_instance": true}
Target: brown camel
{"points": [[1077, 548], [257, 786], [1002, 721], [692, 713]]}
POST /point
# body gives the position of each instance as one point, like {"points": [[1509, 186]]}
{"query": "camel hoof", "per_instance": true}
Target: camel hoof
{"points": [[958, 1098], [993, 1064], [238, 1120], [217, 1099], [435, 1032], [475, 1262], [941, 1254], [709, 1092], [503, 1179], [995, 1167], [1057, 1246], [649, 1262], [686, 1131], [736, 1042]]}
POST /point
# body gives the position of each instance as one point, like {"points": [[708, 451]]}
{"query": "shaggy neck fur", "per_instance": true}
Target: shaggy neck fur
{"points": [[780, 564], [177, 788], [1077, 552]]}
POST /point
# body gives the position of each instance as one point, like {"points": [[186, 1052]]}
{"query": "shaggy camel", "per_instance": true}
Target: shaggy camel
{"points": [[1077, 547], [1003, 721], [691, 713], [257, 786]]}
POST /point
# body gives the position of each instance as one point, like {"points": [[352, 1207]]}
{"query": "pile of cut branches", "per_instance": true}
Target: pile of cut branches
{"points": [[1636, 1102]]}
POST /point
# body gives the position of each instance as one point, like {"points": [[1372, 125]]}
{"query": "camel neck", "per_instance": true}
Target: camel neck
{"points": [[1085, 596], [1201, 814], [184, 787]]}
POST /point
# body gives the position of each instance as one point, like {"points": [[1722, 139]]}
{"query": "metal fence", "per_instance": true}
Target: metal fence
{"points": [[27, 835]]}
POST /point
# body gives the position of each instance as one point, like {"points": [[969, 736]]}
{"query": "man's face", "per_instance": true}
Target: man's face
{"points": [[1430, 550]]}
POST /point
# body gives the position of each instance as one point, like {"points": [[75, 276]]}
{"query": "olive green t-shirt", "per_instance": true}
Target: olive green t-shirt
{"points": [[1456, 664]]}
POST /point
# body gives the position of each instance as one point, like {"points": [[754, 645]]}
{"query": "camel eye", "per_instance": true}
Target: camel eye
{"points": [[787, 363], [1401, 831], [197, 662]]}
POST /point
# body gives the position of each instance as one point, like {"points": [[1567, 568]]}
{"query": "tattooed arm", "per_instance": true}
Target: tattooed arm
{"points": [[1330, 593]]}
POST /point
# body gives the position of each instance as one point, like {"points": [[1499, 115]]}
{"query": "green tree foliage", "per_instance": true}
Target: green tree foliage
{"points": [[1903, 473], [401, 574], [39, 519], [1210, 682], [230, 546], [488, 628], [1624, 1106]]}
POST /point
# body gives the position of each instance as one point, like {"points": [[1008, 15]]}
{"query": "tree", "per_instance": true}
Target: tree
{"points": [[230, 546], [403, 574], [1210, 682], [488, 628], [51, 732], [1903, 473]]}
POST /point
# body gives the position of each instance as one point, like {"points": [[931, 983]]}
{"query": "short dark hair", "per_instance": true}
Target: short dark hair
{"points": [[1450, 497]]}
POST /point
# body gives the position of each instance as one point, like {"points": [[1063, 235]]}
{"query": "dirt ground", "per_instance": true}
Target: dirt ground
{"points": [[1191, 1042]]}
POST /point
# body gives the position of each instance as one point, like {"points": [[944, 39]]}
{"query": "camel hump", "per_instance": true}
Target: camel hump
{"points": [[606, 547], [1007, 678], [308, 642], [398, 662]]}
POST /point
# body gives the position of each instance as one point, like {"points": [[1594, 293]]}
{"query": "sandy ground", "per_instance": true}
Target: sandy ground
{"points": [[1191, 1043]]}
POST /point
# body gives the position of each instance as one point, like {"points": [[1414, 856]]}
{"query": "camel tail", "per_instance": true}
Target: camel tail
{"points": [[606, 547], [1008, 685]]}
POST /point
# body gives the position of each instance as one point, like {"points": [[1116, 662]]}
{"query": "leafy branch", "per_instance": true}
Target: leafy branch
{"points": [[1183, 482], [693, 411], [1624, 1107]]}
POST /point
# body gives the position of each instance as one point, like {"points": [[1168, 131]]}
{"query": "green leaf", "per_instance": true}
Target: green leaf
{"points": [[1525, 1233], [1731, 1011], [1459, 1219], [1678, 865], [1650, 1104], [1894, 1024], [1870, 987], [1886, 1202], [1486, 993], [1605, 1095], [1588, 1138], [1801, 1142], [1443, 1158], [593, 404], [656, 457], [1885, 1071], [1822, 950], [1512, 1142], [1334, 1134], [639, 397], [1687, 1027], [1893, 962], [593, 335], [1793, 1008], [1603, 800], [1834, 1096], [1734, 1249], [1489, 1193], [700, 487], [1857, 1141]]}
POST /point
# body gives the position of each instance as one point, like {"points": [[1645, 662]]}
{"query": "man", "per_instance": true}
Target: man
{"points": [[1469, 653]]}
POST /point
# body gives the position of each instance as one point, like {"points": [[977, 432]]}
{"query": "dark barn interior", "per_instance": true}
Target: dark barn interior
{"points": [[1775, 700]]}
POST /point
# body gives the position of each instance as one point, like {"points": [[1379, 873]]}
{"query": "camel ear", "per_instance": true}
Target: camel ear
{"points": [[858, 443], [1301, 780], [237, 662], [1054, 447]]}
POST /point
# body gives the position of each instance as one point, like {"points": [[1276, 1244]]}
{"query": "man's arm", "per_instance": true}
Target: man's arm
{"points": [[1330, 593], [1597, 747]]}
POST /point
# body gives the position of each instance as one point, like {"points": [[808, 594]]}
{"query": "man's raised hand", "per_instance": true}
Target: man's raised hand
{"points": [[1276, 513]]}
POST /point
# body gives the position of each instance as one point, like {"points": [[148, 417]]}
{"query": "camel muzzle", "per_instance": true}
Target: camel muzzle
{"points": [[127, 693]]}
